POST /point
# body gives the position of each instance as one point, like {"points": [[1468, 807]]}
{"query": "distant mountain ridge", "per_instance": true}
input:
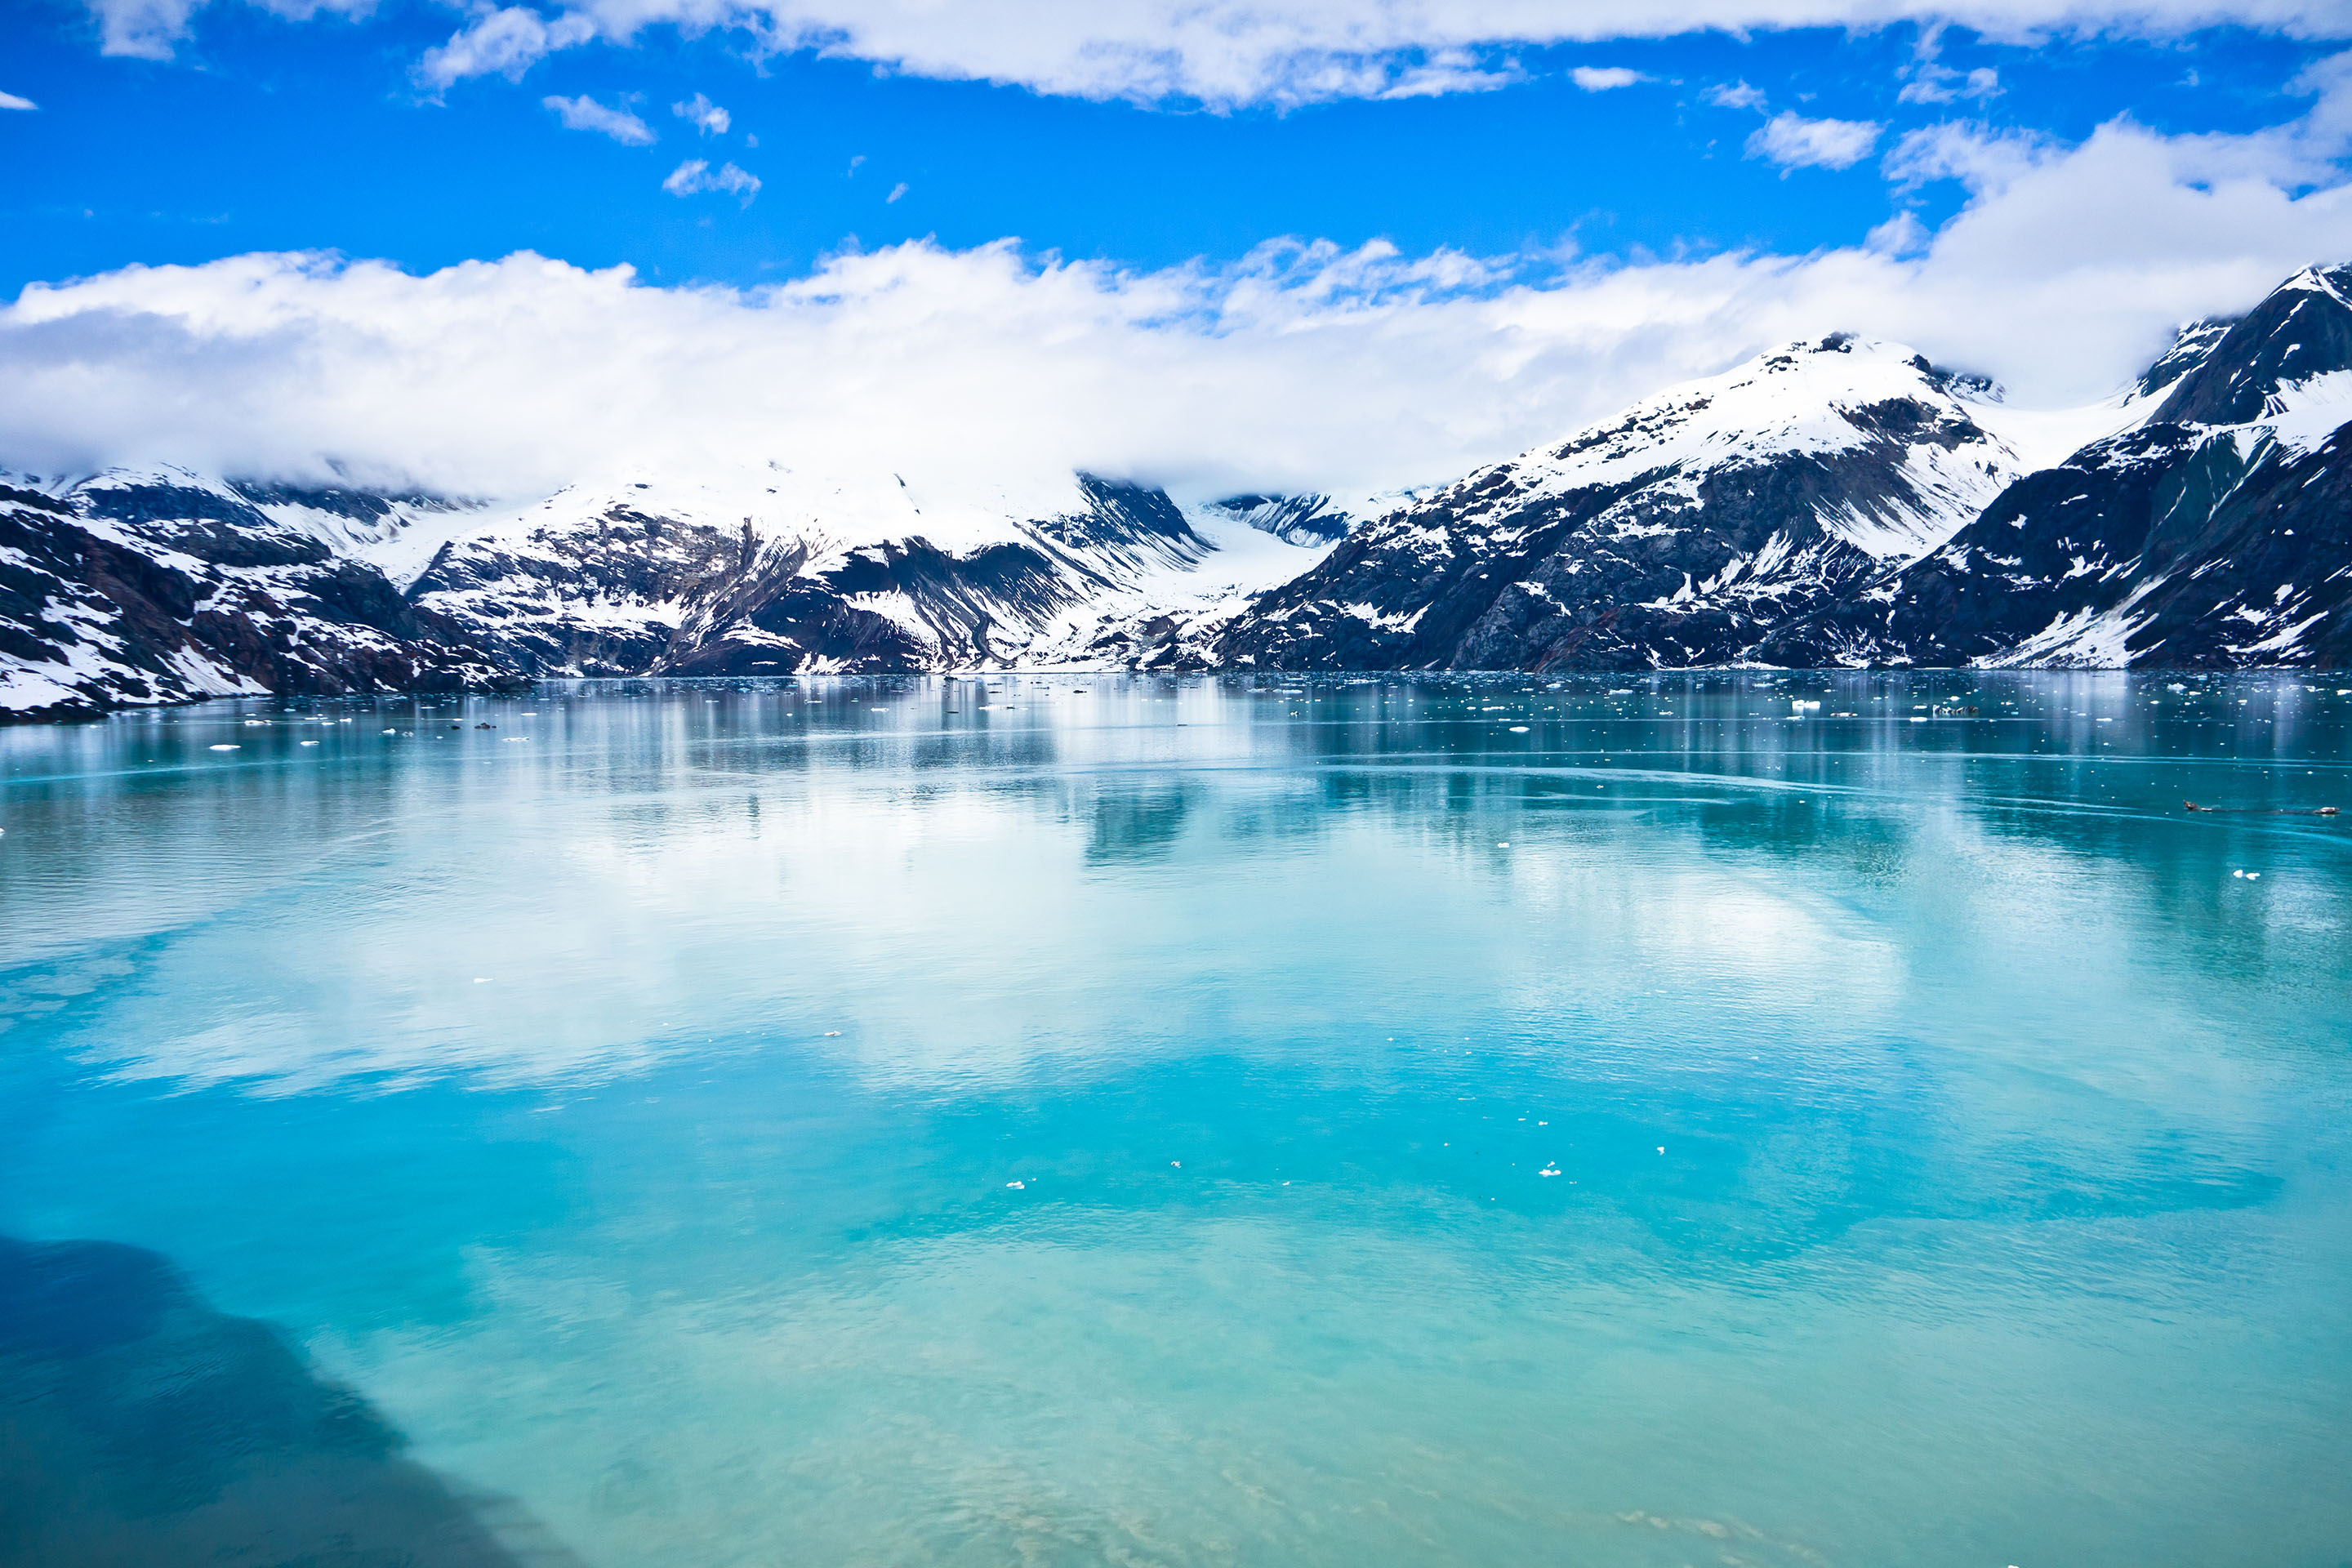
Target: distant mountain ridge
{"points": [[165, 586], [1837, 502]]}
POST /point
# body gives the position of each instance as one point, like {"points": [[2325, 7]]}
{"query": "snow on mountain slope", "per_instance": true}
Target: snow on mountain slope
{"points": [[1309, 521], [162, 586], [1674, 534], [1835, 501], [769, 571], [2212, 532]]}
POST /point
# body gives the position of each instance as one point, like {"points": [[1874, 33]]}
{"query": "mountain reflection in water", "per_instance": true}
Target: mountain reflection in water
{"points": [[1822, 1119]]}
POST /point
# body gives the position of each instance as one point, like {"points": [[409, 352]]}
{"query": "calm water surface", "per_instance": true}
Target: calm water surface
{"points": [[1074, 1120]]}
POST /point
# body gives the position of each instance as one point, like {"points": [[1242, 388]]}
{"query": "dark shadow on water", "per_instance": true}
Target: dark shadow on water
{"points": [[140, 1428]]}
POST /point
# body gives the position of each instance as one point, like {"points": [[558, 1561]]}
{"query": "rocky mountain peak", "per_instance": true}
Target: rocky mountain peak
{"points": [[2304, 329]]}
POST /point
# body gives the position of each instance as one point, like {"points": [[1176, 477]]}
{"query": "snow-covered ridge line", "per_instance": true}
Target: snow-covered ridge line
{"points": [[2215, 531], [164, 584], [1673, 534], [1834, 501]]}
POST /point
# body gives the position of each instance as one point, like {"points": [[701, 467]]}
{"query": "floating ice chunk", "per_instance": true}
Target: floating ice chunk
{"points": [[227, 748], [1519, 729], [1014, 1185], [2253, 876], [1177, 1164], [1662, 1148], [1547, 1170], [2237, 873], [305, 742], [481, 980]]}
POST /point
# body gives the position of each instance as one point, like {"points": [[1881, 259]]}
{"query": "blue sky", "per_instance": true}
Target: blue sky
{"points": [[1256, 244], [261, 133]]}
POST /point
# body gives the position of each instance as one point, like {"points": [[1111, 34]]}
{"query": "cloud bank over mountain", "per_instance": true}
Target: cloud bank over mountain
{"points": [[1304, 367]]}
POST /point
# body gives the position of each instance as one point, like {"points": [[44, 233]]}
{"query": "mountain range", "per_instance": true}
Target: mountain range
{"points": [[1833, 503]]}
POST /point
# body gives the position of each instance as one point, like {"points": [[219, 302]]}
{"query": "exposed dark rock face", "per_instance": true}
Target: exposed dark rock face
{"points": [[1838, 502], [144, 592], [1672, 536], [139, 1427], [134, 588], [2212, 536], [633, 593]]}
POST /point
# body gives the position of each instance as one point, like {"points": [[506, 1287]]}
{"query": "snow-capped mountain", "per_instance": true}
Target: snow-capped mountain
{"points": [[1839, 501], [162, 586], [771, 572], [2215, 531], [1675, 534], [158, 587]]}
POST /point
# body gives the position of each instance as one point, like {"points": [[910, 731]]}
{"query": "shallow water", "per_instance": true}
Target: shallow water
{"points": [[1080, 1119]]}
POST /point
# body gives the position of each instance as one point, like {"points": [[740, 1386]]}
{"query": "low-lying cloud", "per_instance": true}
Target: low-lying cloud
{"points": [[1302, 366]]}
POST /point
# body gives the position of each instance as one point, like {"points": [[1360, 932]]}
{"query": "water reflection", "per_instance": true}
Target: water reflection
{"points": [[602, 878], [1206, 1120]]}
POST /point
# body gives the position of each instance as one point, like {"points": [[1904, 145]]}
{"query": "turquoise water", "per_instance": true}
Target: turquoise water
{"points": [[1087, 1120]]}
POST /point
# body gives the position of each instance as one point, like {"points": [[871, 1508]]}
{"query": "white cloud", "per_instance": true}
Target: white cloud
{"points": [[703, 114], [1975, 155], [895, 192], [1600, 79], [1901, 235], [10, 100], [1448, 71], [1792, 142], [151, 29], [696, 176], [1301, 366], [1224, 53], [1933, 83], [1737, 95], [584, 113], [501, 43]]}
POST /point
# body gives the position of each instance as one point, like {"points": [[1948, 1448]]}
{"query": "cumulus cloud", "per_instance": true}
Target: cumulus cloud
{"points": [[1302, 366], [703, 115], [10, 100], [501, 43], [695, 176], [1735, 95], [1600, 79], [1224, 53], [584, 113], [895, 192], [1792, 142]]}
